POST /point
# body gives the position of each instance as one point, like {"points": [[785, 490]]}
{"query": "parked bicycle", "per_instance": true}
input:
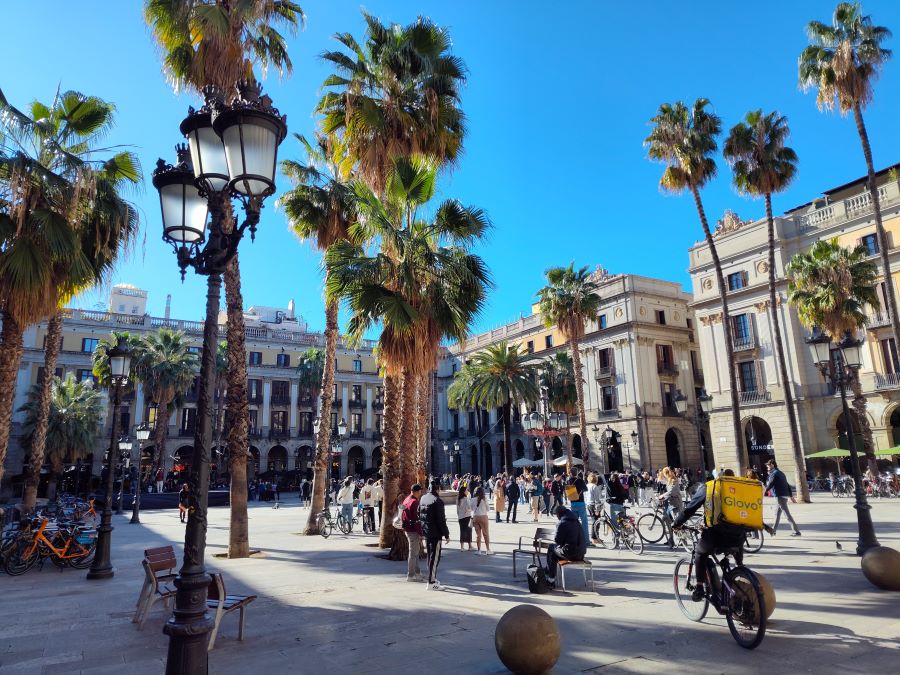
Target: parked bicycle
{"points": [[324, 523], [736, 593], [843, 487], [622, 532], [65, 544]]}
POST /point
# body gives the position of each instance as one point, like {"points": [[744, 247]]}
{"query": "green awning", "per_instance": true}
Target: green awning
{"points": [[888, 451], [833, 452]]}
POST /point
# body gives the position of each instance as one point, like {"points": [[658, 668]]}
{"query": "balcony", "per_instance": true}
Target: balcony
{"points": [[743, 341], [337, 403], [254, 398], [611, 413], [305, 402], [357, 403], [670, 411], [281, 399], [278, 433], [254, 433], [757, 396], [304, 433], [698, 375], [377, 405], [358, 434], [377, 435], [878, 320], [666, 369], [888, 381], [847, 209], [605, 373]]}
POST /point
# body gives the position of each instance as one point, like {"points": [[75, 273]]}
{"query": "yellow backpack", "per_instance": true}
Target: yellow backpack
{"points": [[734, 501]]}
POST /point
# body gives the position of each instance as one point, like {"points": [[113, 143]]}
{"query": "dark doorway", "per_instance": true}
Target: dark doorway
{"points": [[673, 449]]}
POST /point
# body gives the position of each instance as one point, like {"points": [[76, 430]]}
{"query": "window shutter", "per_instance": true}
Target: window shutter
{"points": [[760, 375], [744, 279]]}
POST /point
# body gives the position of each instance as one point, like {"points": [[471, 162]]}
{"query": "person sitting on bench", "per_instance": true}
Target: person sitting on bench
{"points": [[569, 541]]}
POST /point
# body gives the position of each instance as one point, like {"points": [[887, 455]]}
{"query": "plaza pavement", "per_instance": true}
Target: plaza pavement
{"points": [[330, 606]]}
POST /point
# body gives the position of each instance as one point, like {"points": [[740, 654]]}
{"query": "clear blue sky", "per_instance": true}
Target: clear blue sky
{"points": [[557, 101]]}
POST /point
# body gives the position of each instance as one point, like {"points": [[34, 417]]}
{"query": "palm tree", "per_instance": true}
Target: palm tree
{"points": [[63, 222], [684, 139], [499, 375], [71, 427], [830, 286], [841, 63], [221, 391], [558, 376], [321, 208], [219, 43], [396, 95], [762, 165], [167, 368], [568, 301]]}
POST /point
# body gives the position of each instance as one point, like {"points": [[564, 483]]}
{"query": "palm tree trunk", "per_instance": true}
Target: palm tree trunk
{"points": [[859, 407], [423, 419], [883, 243], [56, 467], [238, 412], [582, 422], [160, 432], [406, 455], [507, 435], [729, 343], [323, 446], [390, 465], [39, 438], [10, 355], [799, 460]]}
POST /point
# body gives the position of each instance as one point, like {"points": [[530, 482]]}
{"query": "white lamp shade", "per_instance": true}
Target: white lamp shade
{"points": [[184, 213], [251, 138], [342, 428], [119, 365], [681, 403], [851, 349], [207, 151], [142, 432]]}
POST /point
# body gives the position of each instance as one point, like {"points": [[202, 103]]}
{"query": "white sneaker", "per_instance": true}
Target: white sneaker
{"points": [[489, 552], [479, 552], [436, 586]]}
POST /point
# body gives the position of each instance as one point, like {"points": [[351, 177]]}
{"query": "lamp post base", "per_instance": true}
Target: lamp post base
{"points": [[866, 529], [102, 567]]}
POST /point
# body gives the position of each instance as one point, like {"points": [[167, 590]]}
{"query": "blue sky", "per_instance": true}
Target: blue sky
{"points": [[557, 102]]}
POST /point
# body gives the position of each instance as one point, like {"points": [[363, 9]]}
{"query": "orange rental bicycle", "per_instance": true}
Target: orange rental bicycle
{"points": [[68, 547]]}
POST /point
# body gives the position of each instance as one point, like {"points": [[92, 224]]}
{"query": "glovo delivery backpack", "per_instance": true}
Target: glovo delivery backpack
{"points": [[735, 501]]}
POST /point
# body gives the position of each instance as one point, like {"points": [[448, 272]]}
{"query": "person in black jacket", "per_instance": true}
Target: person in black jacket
{"points": [[434, 528], [569, 541], [512, 499], [780, 487]]}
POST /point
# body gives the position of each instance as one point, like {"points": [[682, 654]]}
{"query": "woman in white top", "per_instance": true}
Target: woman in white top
{"points": [[480, 518], [464, 514], [345, 500], [378, 498]]}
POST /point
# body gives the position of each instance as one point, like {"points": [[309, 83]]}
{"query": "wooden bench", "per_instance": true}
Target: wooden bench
{"points": [[543, 536], [224, 604], [585, 566], [159, 564]]}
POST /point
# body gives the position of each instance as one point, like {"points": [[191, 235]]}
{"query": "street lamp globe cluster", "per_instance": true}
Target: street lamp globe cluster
{"points": [[142, 433], [453, 452], [545, 426], [231, 154]]}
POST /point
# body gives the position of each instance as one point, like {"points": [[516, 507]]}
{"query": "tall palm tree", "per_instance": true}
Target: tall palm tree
{"points": [[762, 165], [569, 301], [396, 95], [218, 43], [684, 139], [71, 427], [498, 376], [63, 221], [558, 376], [841, 63], [220, 394], [321, 209], [167, 368], [830, 286]]}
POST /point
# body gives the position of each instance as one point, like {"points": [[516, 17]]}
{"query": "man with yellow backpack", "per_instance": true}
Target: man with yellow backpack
{"points": [[732, 506]]}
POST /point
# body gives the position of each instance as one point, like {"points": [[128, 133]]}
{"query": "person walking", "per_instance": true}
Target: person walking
{"points": [[513, 491], [434, 528], [160, 480], [378, 499], [537, 491], [480, 518], [412, 528], [464, 515], [556, 491], [184, 499], [780, 487], [345, 500], [499, 497], [548, 484]]}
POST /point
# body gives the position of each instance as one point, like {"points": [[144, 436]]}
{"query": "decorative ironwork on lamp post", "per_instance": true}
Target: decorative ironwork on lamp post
{"points": [[544, 426], [840, 367], [232, 153], [142, 433], [119, 368], [125, 446]]}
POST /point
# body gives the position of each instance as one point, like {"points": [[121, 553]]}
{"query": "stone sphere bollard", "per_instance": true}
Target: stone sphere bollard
{"points": [[881, 566], [768, 594], [527, 640]]}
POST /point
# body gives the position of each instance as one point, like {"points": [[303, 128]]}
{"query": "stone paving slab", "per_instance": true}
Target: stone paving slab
{"points": [[332, 606]]}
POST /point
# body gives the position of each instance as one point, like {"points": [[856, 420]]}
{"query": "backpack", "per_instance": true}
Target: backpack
{"points": [[537, 579], [734, 501]]}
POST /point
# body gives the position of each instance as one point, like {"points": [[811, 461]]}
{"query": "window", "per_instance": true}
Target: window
{"points": [[281, 391], [254, 422], [335, 394], [605, 358], [379, 395], [88, 345], [125, 419], [279, 421], [85, 374], [455, 423], [122, 309], [334, 423], [305, 422], [378, 423], [194, 349], [188, 420], [870, 243], [661, 317], [255, 358], [357, 366], [471, 425], [736, 281], [740, 327], [254, 390], [889, 356], [356, 426], [664, 355], [56, 373], [601, 321], [357, 393], [283, 360], [608, 398], [695, 361], [668, 397], [690, 324], [747, 375], [548, 341], [530, 347]]}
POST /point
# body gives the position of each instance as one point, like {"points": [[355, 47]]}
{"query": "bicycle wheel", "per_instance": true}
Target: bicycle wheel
{"points": [[324, 527], [19, 560], [685, 581], [607, 535], [343, 525], [753, 541], [745, 607], [84, 561], [630, 538], [650, 528]]}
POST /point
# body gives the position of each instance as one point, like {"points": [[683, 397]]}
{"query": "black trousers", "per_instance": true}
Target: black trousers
{"points": [[554, 555], [714, 539], [465, 530], [433, 547], [511, 505]]}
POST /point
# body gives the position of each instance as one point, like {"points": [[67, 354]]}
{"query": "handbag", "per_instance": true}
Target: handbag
{"points": [[571, 493], [397, 522]]}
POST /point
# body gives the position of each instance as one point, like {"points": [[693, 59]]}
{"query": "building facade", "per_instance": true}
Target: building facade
{"points": [[638, 357], [281, 412], [846, 213]]}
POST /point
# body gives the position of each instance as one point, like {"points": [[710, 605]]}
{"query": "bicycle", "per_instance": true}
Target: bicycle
{"points": [[652, 526], [737, 594], [843, 487], [344, 524], [324, 523], [753, 541], [71, 545], [621, 532]]}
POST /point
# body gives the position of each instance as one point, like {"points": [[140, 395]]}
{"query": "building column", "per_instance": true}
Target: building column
{"points": [[369, 419], [138, 404], [267, 400], [295, 387], [345, 403]]}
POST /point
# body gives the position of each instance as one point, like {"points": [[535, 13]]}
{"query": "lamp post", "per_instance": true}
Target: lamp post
{"points": [[142, 433], [124, 464], [233, 155], [337, 435], [119, 369], [453, 452], [840, 367], [701, 412], [545, 426]]}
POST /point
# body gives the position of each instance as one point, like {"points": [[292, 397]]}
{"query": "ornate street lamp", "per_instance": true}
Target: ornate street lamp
{"points": [[119, 370], [680, 402], [142, 433], [124, 464], [242, 139], [841, 368]]}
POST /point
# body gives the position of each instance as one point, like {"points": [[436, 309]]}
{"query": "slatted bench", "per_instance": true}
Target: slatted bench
{"points": [[159, 564], [543, 536], [222, 603]]}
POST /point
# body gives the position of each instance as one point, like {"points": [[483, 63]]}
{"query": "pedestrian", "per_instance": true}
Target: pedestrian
{"points": [[593, 498], [160, 479], [672, 494], [576, 492], [464, 515], [780, 487], [480, 518], [520, 482], [345, 500], [537, 491], [367, 499], [184, 499], [499, 497], [548, 484], [434, 528], [556, 491], [412, 528], [568, 541], [378, 498], [512, 499]]}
